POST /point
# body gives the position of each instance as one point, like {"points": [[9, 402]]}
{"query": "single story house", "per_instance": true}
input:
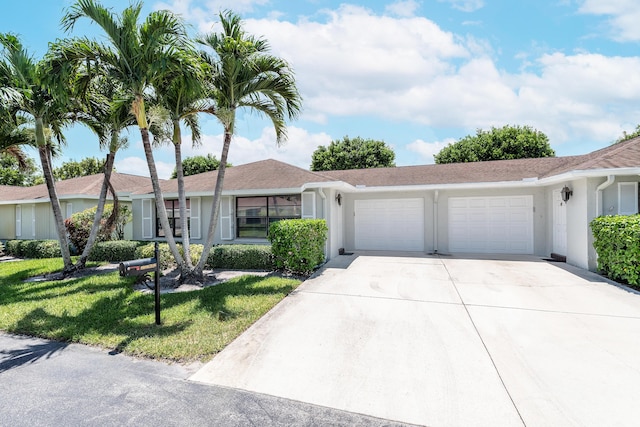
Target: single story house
{"points": [[525, 206], [25, 212]]}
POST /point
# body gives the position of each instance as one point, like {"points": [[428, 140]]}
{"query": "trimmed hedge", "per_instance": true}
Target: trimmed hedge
{"points": [[33, 248], [234, 257], [298, 244], [617, 243], [114, 251], [147, 251], [241, 257]]}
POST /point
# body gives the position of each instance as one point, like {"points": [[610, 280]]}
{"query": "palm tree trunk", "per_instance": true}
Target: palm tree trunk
{"points": [[182, 203], [108, 168], [44, 153], [157, 192], [215, 205]]}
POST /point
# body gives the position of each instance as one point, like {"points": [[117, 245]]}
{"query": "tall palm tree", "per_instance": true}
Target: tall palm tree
{"points": [[244, 75], [136, 56], [106, 113], [41, 95], [183, 97]]}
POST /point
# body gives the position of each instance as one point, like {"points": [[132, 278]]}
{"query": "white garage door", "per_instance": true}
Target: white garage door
{"points": [[389, 224], [491, 224]]}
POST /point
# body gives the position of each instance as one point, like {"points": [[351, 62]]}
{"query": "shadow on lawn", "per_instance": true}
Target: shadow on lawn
{"points": [[28, 354], [119, 317], [214, 299]]}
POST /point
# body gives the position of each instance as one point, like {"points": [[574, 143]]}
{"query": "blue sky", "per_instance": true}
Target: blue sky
{"points": [[416, 74]]}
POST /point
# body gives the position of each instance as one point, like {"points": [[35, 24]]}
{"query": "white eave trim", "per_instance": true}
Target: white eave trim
{"points": [[588, 173]]}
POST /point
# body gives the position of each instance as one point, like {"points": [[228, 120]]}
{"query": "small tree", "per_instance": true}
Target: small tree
{"points": [[11, 172], [80, 223], [505, 143], [353, 153], [626, 136], [74, 169], [199, 164]]}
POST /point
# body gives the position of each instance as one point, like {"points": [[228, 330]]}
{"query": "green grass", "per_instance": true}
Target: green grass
{"points": [[105, 311]]}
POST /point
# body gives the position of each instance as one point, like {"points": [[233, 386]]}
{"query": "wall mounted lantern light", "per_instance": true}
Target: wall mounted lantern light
{"points": [[566, 193], [339, 199]]}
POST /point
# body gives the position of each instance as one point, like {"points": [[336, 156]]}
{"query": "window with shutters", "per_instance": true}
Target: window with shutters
{"points": [[255, 214], [173, 214]]}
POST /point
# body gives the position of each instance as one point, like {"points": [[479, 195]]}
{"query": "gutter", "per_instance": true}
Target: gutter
{"points": [[325, 213], [610, 180]]}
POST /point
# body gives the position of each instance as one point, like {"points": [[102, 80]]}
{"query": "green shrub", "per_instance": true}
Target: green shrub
{"points": [[196, 251], [33, 248], [166, 258], [13, 248], [114, 251], [241, 257], [48, 249], [617, 243], [80, 223], [298, 244], [1, 248]]}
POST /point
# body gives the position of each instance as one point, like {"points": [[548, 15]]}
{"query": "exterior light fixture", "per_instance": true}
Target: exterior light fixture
{"points": [[566, 193], [339, 199]]}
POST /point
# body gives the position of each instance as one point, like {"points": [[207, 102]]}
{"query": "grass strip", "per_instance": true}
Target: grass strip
{"points": [[105, 311]]}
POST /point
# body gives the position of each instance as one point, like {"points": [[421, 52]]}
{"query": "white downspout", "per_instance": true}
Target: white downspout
{"points": [[326, 214], [435, 221], [610, 180]]}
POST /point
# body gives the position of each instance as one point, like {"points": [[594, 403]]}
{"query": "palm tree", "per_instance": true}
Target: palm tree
{"points": [[183, 97], [41, 95], [244, 75], [136, 57], [13, 136], [107, 116]]}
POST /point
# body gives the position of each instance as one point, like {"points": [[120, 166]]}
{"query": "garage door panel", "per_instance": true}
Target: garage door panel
{"points": [[491, 224], [389, 224]]}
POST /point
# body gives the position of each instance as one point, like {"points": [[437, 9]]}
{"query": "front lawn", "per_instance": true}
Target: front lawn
{"points": [[104, 310]]}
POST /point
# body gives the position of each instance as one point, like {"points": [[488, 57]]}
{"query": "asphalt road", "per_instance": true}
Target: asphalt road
{"points": [[46, 383]]}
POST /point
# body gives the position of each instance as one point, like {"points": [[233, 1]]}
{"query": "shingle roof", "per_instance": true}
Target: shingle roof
{"points": [[264, 174], [272, 175], [622, 155], [86, 185]]}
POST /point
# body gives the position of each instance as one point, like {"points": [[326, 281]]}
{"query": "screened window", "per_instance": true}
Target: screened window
{"points": [[173, 213], [254, 214]]}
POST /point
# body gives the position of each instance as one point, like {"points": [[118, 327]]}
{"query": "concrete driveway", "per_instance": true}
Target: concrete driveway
{"points": [[448, 341]]}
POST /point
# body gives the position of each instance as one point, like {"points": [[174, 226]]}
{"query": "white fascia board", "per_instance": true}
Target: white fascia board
{"points": [[588, 173], [459, 186], [337, 185], [256, 192]]}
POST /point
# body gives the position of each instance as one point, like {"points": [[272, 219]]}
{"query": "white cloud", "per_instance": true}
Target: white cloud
{"points": [[404, 9], [297, 150], [426, 150], [197, 9], [624, 16], [351, 62], [465, 5], [138, 166]]}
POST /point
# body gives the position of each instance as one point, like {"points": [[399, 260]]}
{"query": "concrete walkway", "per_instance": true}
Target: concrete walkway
{"points": [[445, 341]]}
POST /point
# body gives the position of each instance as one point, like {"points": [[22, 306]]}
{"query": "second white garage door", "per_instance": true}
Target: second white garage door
{"points": [[389, 224], [491, 224]]}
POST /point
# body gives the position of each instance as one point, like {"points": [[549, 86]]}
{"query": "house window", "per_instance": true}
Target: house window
{"points": [[254, 214], [173, 214]]}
